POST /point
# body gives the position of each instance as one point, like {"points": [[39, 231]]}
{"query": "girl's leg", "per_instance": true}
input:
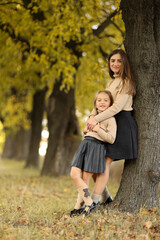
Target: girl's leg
{"points": [[75, 174], [79, 202], [86, 176], [81, 185], [82, 191], [102, 179]]}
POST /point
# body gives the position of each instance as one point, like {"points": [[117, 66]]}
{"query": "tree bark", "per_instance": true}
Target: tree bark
{"points": [[64, 133], [36, 128], [68, 146], [139, 185], [22, 144]]}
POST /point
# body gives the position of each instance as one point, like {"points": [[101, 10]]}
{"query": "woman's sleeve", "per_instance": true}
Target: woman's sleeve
{"points": [[117, 106], [94, 112], [109, 135]]}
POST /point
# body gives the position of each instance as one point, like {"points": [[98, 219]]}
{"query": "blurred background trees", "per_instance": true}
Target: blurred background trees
{"points": [[52, 62]]}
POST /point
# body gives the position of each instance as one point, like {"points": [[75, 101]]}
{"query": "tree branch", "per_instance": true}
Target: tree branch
{"points": [[104, 24], [6, 3], [36, 16], [10, 31], [104, 54], [117, 28]]}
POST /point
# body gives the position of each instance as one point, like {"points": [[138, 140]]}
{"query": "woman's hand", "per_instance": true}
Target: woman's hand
{"points": [[91, 123], [85, 130], [96, 128]]}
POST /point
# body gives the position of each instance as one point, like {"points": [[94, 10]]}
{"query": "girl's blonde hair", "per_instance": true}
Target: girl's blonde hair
{"points": [[106, 92], [125, 73]]}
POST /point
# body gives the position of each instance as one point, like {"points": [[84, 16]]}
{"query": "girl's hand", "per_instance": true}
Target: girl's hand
{"points": [[96, 128], [91, 122]]}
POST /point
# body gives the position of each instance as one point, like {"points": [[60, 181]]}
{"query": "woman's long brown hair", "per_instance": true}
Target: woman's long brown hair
{"points": [[125, 74]]}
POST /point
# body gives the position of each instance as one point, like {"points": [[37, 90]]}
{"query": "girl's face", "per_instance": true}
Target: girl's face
{"points": [[102, 102], [116, 63]]}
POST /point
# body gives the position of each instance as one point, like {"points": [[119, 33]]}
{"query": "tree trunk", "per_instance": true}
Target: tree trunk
{"points": [[64, 133], [139, 185], [36, 128], [17, 146], [68, 146], [22, 142], [9, 146]]}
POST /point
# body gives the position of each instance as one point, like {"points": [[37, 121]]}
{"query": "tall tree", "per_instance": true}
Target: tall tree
{"points": [[21, 72], [139, 185], [63, 126], [75, 45], [36, 129]]}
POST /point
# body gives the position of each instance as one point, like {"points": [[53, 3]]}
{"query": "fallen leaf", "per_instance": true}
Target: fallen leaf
{"points": [[148, 224], [19, 208]]}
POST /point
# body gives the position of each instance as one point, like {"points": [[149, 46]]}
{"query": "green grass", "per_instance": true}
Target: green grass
{"points": [[34, 207]]}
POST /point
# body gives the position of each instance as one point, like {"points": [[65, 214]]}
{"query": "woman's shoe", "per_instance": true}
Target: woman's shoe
{"points": [[109, 200]]}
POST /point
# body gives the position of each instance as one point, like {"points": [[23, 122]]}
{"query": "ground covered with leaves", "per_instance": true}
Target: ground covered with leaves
{"points": [[34, 207]]}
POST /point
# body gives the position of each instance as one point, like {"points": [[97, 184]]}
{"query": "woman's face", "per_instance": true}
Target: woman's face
{"points": [[116, 63], [102, 102]]}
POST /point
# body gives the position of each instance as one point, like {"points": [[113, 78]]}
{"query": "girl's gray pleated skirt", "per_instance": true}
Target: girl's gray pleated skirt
{"points": [[125, 145], [90, 156]]}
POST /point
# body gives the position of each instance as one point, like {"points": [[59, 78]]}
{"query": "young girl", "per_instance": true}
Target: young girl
{"points": [[90, 157], [123, 90]]}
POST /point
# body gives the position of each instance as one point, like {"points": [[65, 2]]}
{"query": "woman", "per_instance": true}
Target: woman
{"points": [[123, 90]]}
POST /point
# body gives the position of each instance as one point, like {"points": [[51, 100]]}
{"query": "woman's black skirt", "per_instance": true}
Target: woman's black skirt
{"points": [[90, 156], [125, 145]]}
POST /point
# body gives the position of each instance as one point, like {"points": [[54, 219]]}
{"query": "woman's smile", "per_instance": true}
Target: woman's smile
{"points": [[116, 63]]}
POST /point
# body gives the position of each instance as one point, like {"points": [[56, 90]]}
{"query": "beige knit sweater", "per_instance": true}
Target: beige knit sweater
{"points": [[107, 131]]}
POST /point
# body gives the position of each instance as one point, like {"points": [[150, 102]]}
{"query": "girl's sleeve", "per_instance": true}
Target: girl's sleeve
{"points": [[94, 112], [109, 135], [117, 106]]}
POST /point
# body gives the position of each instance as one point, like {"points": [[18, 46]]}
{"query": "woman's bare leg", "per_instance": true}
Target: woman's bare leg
{"points": [[105, 195]]}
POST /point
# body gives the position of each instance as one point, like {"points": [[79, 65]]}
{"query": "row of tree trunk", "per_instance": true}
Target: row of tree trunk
{"points": [[64, 133]]}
